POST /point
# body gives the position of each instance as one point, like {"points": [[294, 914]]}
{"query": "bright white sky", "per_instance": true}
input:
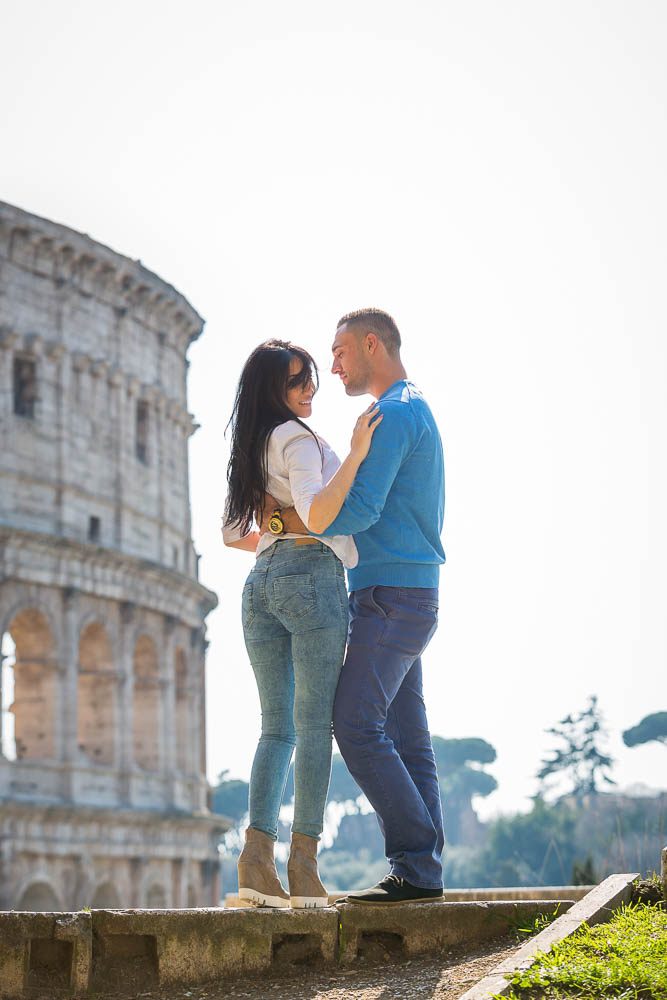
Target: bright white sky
{"points": [[493, 174]]}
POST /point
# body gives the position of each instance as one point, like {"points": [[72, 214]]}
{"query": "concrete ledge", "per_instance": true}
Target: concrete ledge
{"points": [[61, 953], [178, 947], [596, 908], [540, 892], [419, 928], [43, 950], [140, 949]]}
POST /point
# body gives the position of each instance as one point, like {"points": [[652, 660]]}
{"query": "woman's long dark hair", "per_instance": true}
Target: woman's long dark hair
{"points": [[259, 406]]}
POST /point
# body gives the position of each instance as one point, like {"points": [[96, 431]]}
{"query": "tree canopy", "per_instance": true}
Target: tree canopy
{"points": [[457, 753], [461, 777], [229, 797], [651, 727]]}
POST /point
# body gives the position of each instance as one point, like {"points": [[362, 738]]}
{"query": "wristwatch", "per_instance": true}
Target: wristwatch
{"points": [[276, 525]]}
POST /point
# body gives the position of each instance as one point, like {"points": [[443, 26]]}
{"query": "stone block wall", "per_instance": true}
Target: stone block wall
{"points": [[103, 428], [101, 613]]}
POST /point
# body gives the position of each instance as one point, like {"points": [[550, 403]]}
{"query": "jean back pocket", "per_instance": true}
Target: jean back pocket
{"points": [[294, 595]]}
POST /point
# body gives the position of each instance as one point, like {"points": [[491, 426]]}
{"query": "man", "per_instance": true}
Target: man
{"points": [[395, 512]]}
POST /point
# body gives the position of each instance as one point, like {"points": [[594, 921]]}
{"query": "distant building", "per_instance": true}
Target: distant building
{"points": [[103, 795]]}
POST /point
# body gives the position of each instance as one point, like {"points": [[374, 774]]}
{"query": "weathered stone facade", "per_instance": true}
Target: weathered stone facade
{"points": [[102, 775]]}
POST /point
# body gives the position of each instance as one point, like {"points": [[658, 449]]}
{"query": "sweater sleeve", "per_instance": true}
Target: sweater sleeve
{"points": [[365, 501]]}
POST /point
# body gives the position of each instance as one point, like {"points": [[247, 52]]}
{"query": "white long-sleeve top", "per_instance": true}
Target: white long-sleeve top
{"points": [[297, 470]]}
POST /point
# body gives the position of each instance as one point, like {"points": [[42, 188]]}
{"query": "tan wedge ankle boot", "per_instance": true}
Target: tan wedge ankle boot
{"points": [[258, 879], [305, 888]]}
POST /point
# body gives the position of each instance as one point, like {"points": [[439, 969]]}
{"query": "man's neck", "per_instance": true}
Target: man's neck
{"points": [[385, 377]]}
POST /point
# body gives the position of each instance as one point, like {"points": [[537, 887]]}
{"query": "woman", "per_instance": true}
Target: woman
{"points": [[294, 607]]}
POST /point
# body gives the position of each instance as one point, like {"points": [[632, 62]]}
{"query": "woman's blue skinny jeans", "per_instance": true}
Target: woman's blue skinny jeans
{"points": [[295, 619]]}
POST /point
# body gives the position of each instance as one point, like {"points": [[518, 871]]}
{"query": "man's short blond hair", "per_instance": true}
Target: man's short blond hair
{"points": [[375, 321]]}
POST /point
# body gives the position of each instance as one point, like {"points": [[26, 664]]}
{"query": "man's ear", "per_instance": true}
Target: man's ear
{"points": [[371, 343]]}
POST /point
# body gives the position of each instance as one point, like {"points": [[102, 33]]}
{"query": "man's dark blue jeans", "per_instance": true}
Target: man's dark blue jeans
{"points": [[381, 729]]}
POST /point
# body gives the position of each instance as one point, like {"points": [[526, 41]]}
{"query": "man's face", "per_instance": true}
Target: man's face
{"points": [[350, 362]]}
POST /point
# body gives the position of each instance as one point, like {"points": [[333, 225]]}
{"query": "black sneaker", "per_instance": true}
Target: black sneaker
{"points": [[393, 889]]}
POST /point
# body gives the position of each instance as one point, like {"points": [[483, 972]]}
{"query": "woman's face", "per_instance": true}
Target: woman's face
{"points": [[299, 398]]}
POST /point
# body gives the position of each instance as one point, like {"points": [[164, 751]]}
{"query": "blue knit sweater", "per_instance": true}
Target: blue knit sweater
{"points": [[396, 506]]}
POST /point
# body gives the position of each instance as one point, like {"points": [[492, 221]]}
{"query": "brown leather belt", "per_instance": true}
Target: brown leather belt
{"points": [[306, 540]]}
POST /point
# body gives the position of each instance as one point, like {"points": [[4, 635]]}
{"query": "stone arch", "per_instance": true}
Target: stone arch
{"points": [[35, 686], [32, 599], [145, 628], [39, 896], [181, 712], [97, 686], [105, 897], [156, 897], [145, 704], [95, 612]]}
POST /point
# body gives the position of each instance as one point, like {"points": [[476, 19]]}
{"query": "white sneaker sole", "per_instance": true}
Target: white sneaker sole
{"points": [[259, 899], [308, 902]]}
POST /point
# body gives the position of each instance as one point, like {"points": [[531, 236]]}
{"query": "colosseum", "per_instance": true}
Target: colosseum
{"points": [[103, 795]]}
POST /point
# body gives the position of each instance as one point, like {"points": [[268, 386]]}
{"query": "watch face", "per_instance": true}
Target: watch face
{"points": [[276, 526]]}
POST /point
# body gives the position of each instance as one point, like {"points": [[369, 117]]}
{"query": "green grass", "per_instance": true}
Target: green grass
{"points": [[523, 927], [625, 959]]}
